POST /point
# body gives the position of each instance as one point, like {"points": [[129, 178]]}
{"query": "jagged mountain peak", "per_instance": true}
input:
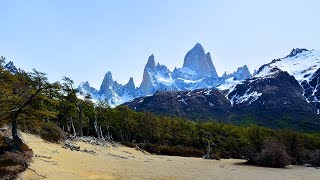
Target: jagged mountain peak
{"points": [[245, 72], [147, 84], [301, 63], [243, 69], [245, 66], [108, 75], [85, 89], [198, 46], [196, 60], [151, 64], [214, 73], [107, 83], [130, 83], [224, 74], [241, 73], [296, 51], [85, 83], [107, 78], [130, 79]]}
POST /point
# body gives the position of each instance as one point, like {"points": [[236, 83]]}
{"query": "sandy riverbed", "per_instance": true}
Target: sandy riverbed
{"points": [[128, 163]]}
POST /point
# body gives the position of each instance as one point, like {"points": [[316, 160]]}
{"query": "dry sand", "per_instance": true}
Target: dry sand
{"points": [[128, 163]]}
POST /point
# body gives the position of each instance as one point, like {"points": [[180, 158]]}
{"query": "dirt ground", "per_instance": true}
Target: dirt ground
{"points": [[51, 161]]}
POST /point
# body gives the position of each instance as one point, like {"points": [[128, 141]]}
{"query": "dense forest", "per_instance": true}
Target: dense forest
{"points": [[29, 102]]}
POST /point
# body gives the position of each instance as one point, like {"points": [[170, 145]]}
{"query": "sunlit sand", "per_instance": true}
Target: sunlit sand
{"points": [[54, 162]]}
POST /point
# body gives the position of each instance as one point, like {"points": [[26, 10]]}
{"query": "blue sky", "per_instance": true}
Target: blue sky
{"points": [[84, 39]]}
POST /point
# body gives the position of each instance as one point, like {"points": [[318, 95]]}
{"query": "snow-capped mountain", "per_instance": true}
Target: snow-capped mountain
{"points": [[111, 90], [283, 93], [86, 89], [301, 64], [304, 65], [197, 72]]}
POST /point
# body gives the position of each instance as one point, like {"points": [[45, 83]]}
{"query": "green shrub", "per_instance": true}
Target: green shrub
{"points": [[173, 150], [51, 132], [150, 148], [315, 159], [128, 144], [273, 154]]}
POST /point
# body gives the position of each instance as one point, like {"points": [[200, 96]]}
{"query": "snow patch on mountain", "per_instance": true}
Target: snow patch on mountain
{"points": [[300, 63], [251, 97], [228, 83]]}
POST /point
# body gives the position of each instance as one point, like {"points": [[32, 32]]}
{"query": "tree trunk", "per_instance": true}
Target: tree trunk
{"points": [[68, 127], [80, 128], [101, 133], [121, 135], [96, 129], [108, 134], [208, 150], [14, 123], [88, 128], [73, 129]]}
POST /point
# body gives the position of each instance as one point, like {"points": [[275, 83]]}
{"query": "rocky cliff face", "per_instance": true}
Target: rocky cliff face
{"points": [[147, 84], [196, 60], [213, 73]]}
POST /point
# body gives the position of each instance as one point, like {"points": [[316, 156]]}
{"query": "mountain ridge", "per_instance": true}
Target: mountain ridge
{"points": [[282, 93], [198, 71]]}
